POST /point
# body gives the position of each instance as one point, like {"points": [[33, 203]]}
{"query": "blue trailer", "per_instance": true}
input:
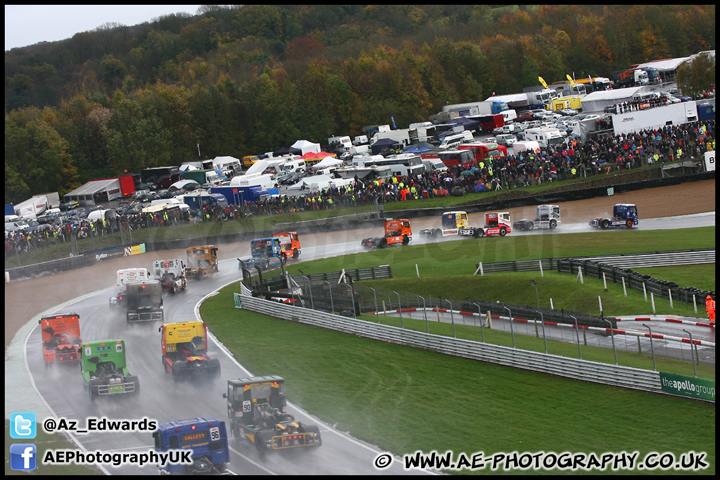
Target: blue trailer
{"points": [[206, 437], [196, 202], [238, 195]]}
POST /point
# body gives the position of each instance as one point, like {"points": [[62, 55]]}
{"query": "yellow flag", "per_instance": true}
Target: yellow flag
{"points": [[572, 82], [542, 82]]}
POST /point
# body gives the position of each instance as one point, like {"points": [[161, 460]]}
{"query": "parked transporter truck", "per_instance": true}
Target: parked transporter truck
{"points": [[624, 215], [205, 436], [257, 409], [546, 216], [60, 337], [482, 108]]}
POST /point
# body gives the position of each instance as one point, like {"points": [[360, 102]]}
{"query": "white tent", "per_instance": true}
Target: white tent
{"points": [[327, 162], [182, 184], [305, 146], [597, 101], [188, 168], [257, 167]]}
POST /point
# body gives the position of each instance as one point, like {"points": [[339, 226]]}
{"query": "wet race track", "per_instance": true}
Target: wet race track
{"points": [[163, 399]]}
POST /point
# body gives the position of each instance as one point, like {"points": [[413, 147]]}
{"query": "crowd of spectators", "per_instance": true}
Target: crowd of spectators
{"points": [[596, 156]]}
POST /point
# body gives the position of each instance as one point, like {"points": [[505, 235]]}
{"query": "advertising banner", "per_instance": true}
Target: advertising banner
{"points": [[688, 386]]}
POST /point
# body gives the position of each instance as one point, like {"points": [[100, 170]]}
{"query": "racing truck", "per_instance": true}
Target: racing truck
{"points": [[452, 222], [144, 302], [497, 223], [397, 232], [624, 215], [104, 369], [170, 274], [60, 337], [290, 244], [184, 351], [546, 216], [124, 277], [266, 253], [205, 436], [257, 409], [202, 262]]}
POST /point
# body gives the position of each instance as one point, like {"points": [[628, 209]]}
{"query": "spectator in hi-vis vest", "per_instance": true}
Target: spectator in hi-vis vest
{"points": [[710, 308]]}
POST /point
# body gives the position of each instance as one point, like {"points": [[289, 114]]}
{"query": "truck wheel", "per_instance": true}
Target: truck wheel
{"points": [[605, 224], [172, 289], [296, 253], [503, 231], [382, 243], [553, 224], [435, 233], [406, 240], [629, 224], [531, 225], [260, 444]]}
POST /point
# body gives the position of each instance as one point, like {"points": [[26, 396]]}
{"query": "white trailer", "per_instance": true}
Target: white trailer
{"points": [[657, 117], [401, 135], [32, 207]]}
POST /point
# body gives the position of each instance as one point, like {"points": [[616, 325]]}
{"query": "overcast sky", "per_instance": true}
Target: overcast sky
{"points": [[29, 24]]}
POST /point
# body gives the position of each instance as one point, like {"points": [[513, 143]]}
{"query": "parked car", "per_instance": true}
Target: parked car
{"points": [[164, 194], [69, 205], [506, 139], [525, 117], [567, 112]]}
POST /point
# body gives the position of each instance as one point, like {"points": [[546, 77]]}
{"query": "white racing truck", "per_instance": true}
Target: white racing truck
{"points": [[171, 274], [123, 278], [546, 216]]}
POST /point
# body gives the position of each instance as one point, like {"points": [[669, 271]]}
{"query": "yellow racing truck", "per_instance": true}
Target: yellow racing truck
{"points": [[201, 261], [184, 351]]}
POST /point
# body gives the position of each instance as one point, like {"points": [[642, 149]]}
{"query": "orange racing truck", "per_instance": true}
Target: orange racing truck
{"points": [[290, 244], [201, 261], [61, 338], [397, 232]]}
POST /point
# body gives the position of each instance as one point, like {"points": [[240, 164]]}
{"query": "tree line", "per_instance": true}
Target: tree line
{"points": [[234, 80]]}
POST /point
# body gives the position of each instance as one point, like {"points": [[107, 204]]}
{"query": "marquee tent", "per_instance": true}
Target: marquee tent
{"points": [[597, 101], [287, 150], [383, 143], [327, 162], [306, 147]]}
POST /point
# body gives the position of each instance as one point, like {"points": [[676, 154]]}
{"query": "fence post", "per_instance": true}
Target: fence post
{"points": [[452, 319], [692, 349], [612, 335], [577, 334], [645, 292], [542, 322], [512, 331], [604, 282], [541, 269], [427, 325], [671, 301], [624, 288], [652, 301], [652, 347], [399, 309], [417, 271], [694, 304]]}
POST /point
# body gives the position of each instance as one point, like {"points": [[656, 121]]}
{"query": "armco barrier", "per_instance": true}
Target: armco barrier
{"points": [[606, 374], [49, 268]]}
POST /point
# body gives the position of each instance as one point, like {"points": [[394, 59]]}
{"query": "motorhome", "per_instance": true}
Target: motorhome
{"points": [[452, 141], [344, 142], [545, 136]]}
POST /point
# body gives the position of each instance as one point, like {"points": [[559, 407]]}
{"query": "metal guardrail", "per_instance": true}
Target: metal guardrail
{"points": [[577, 369], [633, 260]]}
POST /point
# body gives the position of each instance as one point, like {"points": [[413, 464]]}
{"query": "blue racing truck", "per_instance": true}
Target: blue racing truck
{"points": [[266, 253], [624, 215], [205, 436]]}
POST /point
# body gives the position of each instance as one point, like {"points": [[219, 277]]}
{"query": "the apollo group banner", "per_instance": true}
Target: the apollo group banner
{"points": [[688, 386]]}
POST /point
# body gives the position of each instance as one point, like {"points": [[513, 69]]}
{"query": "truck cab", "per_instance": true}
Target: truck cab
{"points": [[497, 223], [290, 244], [171, 274], [624, 215], [205, 436], [144, 302], [257, 409], [397, 232], [60, 337], [201, 261], [266, 253], [104, 369], [123, 278], [451, 223], [184, 351]]}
